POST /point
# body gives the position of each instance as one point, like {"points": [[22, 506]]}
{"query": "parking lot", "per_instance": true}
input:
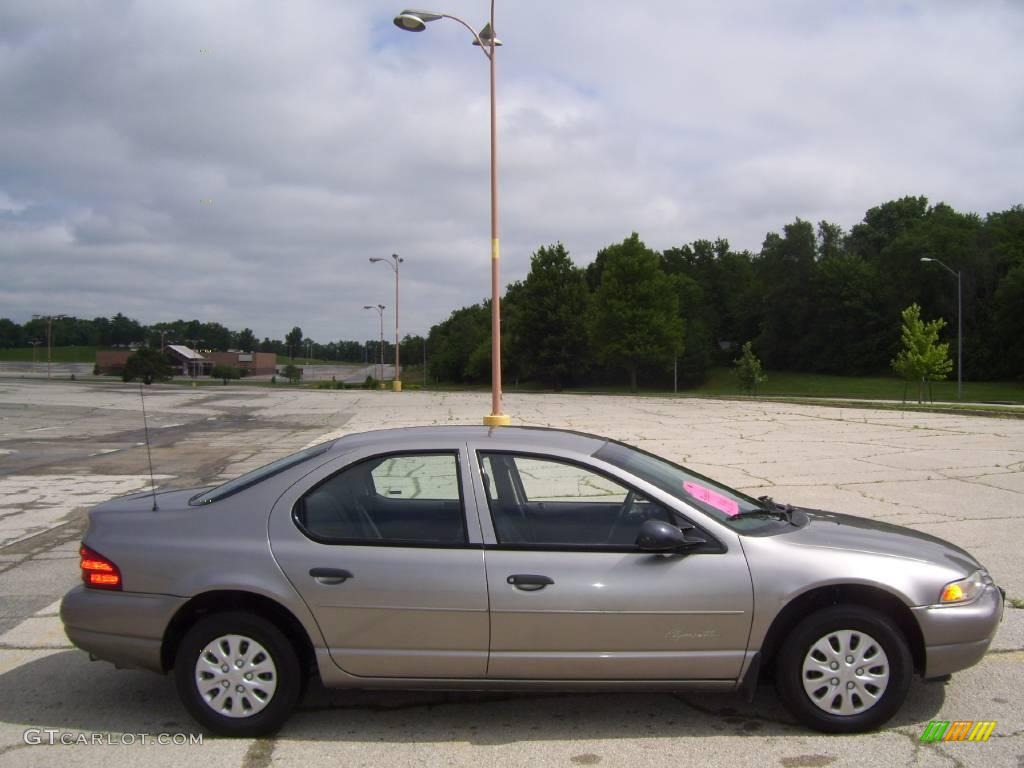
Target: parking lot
{"points": [[66, 445]]}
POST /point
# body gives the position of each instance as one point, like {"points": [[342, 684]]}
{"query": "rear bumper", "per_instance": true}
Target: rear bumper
{"points": [[124, 628], [957, 636]]}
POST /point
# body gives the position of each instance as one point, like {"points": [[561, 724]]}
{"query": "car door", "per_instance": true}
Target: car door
{"points": [[379, 548], [573, 598]]}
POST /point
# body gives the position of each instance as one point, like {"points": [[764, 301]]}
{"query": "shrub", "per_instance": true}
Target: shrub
{"points": [[225, 372], [146, 364], [748, 369]]}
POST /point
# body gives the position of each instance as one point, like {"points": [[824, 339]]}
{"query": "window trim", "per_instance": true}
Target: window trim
{"points": [[454, 453], [714, 544], [211, 495]]}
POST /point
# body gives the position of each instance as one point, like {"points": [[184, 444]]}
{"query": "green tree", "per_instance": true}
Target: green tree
{"points": [[549, 321], [293, 373], [11, 334], [922, 358], [747, 368], [294, 342], [456, 346], [124, 330], [246, 340], [146, 364], [635, 317], [846, 334], [785, 272], [1009, 323], [225, 372]]}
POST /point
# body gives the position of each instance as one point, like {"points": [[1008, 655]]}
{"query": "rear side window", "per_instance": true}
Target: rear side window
{"points": [[399, 499]]}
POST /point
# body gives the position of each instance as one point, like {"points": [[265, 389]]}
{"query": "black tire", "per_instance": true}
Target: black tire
{"points": [[269, 677], [851, 698]]}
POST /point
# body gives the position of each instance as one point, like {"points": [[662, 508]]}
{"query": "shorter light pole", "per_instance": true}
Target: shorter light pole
{"points": [[49, 337], [959, 328], [193, 363], [35, 345], [396, 260], [380, 311]]}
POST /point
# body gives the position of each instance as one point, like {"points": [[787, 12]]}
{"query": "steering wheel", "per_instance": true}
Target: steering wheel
{"points": [[622, 516]]}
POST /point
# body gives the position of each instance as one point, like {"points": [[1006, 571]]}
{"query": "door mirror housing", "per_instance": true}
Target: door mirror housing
{"points": [[659, 536]]}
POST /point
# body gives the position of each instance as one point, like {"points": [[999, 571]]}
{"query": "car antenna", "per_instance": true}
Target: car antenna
{"points": [[149, 454]]}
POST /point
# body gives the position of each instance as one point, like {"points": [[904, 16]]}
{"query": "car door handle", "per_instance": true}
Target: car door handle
{"points": [[529, 582], [330, 576]]}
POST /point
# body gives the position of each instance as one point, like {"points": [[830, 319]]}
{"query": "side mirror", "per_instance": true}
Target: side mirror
{"points": [[659, 536]]}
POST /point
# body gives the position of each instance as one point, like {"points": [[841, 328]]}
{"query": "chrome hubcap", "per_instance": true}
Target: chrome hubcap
{"points": [[236, 676], [845, 672]]}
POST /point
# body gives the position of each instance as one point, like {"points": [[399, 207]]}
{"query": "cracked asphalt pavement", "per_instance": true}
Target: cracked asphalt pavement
{"points": [[67, 445]]}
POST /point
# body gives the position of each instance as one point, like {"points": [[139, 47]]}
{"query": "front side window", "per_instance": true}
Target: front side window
{"points": [[727, 505], [552, 503], [399, 499]]}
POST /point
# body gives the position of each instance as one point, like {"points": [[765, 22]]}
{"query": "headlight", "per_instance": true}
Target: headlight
{"points": [[965, 590]]}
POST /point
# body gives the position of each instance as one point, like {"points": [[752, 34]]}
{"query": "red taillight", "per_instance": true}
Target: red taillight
{"points": [[97, 571]]}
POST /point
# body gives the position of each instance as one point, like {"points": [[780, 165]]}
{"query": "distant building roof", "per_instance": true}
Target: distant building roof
{"points": [[185, 352]]}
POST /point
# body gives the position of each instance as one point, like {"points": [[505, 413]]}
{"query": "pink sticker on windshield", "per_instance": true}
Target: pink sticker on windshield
{"points": [[716, 500]]}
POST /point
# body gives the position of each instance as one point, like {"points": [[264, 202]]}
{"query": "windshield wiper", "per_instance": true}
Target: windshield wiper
{"points": [[785, 509], [771, 507]]}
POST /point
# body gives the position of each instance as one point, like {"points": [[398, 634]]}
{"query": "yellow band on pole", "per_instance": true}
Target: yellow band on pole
{"points": [[495, 249]]}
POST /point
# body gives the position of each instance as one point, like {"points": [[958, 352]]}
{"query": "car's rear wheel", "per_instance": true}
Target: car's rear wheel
{"points": [[237, 674], [844, 669]]}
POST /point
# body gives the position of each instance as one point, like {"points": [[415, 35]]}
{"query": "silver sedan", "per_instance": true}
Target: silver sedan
{"points": [[516, 559]]}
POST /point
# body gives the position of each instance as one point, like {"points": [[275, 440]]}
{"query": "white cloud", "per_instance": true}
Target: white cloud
{"points": [[323, 136]]}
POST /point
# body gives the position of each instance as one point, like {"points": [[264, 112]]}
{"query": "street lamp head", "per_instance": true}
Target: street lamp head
{"points": [[925, 258], [375, 259], [487, 36], [397, 258], [368, 306], [415, 21]]}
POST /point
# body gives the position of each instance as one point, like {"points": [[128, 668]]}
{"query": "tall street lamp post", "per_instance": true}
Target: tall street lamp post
{"points": [[380, 311], [416, 21], [49, 337], [396, 260], [959, 327]]}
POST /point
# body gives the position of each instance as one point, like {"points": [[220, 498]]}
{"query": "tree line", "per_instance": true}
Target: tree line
{"points": [[122, 331], [813, 299]]}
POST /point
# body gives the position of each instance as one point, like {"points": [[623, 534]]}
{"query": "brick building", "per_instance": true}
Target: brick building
{"points": [[189, 362]]}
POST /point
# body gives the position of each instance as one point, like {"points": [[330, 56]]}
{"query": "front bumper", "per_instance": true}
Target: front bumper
{"points": [[957, 636], [124, 628]]}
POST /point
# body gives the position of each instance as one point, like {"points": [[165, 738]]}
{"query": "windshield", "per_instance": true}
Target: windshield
{"points": [[257, 475], [716, 500]]}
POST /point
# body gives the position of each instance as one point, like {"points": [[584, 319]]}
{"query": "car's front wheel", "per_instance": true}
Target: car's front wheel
{"points": [[237, 674], [844, 669]]}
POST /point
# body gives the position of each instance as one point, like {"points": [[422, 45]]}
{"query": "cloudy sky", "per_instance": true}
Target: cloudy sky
{"points": [[240, 160]]}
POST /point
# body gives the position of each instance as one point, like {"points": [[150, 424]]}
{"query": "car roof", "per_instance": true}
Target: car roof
{"points": [[538, 437]]}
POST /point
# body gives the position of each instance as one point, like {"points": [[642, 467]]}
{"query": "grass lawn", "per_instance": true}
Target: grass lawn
{"points": [[720, 382], [783, 384], [60, 354]]}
